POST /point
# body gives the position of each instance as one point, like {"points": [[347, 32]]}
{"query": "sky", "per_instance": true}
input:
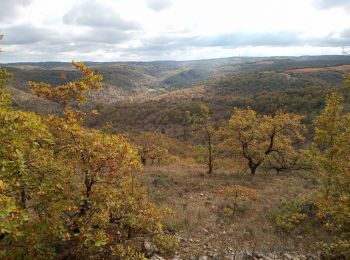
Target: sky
{"points": [[145, 30]]}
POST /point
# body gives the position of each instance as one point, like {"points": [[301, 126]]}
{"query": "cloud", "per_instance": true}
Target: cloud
{"points": [[230, 40], [328, 4], [9, 8], [166, 44], [103, 35], [159, 5], [93, 14], [24, 34]]}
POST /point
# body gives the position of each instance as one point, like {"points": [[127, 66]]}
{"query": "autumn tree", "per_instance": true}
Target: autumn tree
{"points": [[66, 190], [236, 194], [151, 148], [332, 154], [287, 218], [288, 160], [202, 124], [258, 138]]}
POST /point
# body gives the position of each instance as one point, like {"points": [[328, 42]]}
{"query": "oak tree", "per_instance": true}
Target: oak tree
{"points": [[256, 138], [202, 124], [332, 155]]}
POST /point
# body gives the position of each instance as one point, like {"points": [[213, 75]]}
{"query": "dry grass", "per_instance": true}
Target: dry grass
{"points": [[308, 70], [198, 220]]}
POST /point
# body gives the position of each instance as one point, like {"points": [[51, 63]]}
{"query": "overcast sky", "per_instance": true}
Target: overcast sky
{"points": [[120, 30]]}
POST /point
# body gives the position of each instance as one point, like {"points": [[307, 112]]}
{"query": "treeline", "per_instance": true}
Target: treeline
{"points": [[263, 92]]}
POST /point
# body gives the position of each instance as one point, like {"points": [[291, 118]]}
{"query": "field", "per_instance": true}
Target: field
{"points": [[310, 70]]}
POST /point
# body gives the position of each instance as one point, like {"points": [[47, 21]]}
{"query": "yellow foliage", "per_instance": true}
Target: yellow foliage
{"points": [[61, 183], [332, 154], [257, 137], [241, 192]]}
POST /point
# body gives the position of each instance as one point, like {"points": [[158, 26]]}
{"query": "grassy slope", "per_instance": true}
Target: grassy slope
{"points": [[199, 221]]}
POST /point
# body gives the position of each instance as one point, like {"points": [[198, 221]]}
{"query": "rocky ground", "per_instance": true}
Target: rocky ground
{"points": [[202, 231]]}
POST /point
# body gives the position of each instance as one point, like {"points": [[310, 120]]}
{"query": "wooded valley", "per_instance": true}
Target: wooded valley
{"points": [[233, 158]]}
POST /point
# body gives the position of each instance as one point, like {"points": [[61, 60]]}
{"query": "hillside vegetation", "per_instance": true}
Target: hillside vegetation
{"points": [[235, 158]]}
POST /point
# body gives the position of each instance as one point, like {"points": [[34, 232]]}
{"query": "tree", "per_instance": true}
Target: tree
{"points": [[332, 154], [288, 160], [236, 194], [66, 190], [150, 146], [259, 137], [202, 123], [287, 219]]}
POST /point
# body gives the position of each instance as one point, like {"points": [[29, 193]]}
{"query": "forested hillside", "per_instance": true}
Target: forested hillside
{"points": [[236, 158]]}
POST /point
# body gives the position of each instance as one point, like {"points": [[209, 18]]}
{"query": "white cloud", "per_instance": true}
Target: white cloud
{"points": [[10, 8], [327, 4], [94, 14], [159, 5], [169, 29]]}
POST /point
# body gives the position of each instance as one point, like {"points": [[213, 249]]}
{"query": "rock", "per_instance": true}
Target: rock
{"points": [[289, 256], [157, 257], [204, 257], [205, 230], [247, 256], [312, 257], [240, 256], [149, 248], [267, 258]]}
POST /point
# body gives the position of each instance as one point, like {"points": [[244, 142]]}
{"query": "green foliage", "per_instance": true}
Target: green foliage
{"points": [[5, 77], [288, 217], [186, 78], [202, 123], [252, 83]]}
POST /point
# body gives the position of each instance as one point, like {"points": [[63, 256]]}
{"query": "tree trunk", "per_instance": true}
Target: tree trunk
{"points": [[23, 198], [210, 155], [143, 160], [253, 166]]}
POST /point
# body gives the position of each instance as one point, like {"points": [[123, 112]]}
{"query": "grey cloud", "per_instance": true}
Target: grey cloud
{"points": [[93, 14], [103, 35], [250, 39], [159, 5], [24, 34], [345, 33], [9, 8], [169, 43], [327, 4], [231, 40]]}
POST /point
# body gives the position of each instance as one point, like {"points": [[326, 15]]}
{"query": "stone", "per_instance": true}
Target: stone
{"points": [[205, 230], [157, 257], [288, 256], [149, 248]]}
